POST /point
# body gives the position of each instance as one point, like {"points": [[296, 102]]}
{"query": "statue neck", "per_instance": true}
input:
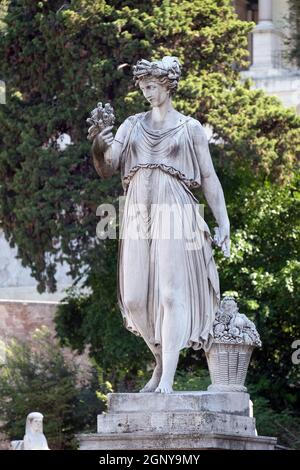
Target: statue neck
{"points": [[160, 113]]}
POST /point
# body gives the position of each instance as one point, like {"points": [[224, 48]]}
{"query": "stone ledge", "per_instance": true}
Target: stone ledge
{"points": [[236, 403], [179, 420], [179, 441], [175, 422]]}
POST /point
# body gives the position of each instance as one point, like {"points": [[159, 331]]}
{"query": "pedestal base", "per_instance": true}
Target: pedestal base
{"points": [[181, 420], [138, 441]]}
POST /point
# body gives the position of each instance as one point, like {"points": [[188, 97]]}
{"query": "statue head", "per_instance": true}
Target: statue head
{"points": [[158, 79], [34, 423]]}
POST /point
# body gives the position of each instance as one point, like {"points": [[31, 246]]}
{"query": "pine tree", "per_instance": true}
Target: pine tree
{"points": [[37, 376], [58, 60]]}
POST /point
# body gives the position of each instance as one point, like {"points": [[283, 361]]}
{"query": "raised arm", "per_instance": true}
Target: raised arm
{"points": [[107, 149], [212, 188]]}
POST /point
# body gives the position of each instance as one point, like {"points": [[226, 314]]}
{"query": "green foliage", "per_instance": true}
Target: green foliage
{"points": [[195, 381], [37, 377], [57, 64], [3, 11], [53, 57], [284, 424], [269, 422], [264, 270], [96, 320]]}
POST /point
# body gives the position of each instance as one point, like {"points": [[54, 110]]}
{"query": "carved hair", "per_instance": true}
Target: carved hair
{"points": [[30, 418], [166, 71]]}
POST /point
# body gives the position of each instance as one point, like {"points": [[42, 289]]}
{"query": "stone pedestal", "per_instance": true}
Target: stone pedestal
{"points": [[181, 420]]}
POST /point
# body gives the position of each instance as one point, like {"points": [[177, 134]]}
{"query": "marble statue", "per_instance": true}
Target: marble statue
{"points": [[168, 291], [34, 438]]}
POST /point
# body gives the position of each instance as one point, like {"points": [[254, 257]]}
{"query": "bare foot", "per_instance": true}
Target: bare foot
{"points": [[164, 386], [169, 361], [154, 381]]}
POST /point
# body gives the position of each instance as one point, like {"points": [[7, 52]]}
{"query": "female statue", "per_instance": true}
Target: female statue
{"points": [[168, 291], [34, 438]]}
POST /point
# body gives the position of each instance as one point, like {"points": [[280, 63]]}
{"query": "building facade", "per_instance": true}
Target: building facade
{"points": [[269, 45]]}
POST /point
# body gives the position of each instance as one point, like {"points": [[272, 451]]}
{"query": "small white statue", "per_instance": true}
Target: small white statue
{"points": [[34, 438]]}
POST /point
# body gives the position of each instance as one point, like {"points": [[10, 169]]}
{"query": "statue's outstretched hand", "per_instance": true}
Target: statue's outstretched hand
{"points": [[105, 138], [222, 239], [93, 131]]}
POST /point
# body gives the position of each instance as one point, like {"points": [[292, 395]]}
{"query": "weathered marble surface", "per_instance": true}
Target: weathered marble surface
{"points": [[235, 337], [179, 441], [162, 156], [181, 420]]}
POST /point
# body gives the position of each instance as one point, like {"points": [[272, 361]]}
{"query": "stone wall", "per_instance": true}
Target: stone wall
{"points": [[19, 319]]}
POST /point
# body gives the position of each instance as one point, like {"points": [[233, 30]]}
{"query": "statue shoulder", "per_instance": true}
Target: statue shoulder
{"points": [[124, 131], [197, 130], [194, 124], [134, 118]]}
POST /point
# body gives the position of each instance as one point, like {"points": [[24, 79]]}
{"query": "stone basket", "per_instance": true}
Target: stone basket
{"points": [[228, 358], [228, 365]]}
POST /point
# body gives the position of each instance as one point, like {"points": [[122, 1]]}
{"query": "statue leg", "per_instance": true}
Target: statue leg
{"points": [[139, 318], [176, 321], [173, 337], [140, 322], [156, 376], [135, 294], [169, 361]]}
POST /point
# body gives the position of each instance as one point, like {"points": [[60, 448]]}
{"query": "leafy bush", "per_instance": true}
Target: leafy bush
{"points": [[37, 377], [284, 425]]}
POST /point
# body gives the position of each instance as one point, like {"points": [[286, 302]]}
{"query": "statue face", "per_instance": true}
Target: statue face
{"points": [[37, 425], [154, 91]]}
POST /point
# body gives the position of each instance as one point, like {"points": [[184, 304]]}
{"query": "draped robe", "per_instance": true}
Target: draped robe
{"points": [[159, 170]]}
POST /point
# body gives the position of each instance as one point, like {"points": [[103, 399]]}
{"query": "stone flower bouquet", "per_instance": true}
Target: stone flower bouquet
{"points": [[100, 118]]}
